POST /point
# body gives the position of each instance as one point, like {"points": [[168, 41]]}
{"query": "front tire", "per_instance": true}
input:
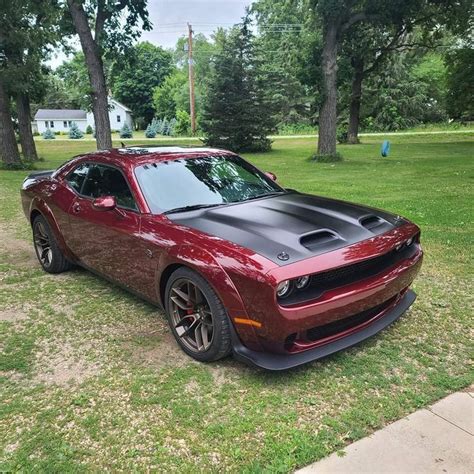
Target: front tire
{"points": [[196, 316], [47, 250]]}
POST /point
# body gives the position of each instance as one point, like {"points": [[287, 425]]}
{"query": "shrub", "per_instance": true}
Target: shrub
{"points": [[74, 132], [153, 128], [89, 130], [126, 131], [334, 158], [48, 134], [183, 123], [36, 134], [342, 134]]}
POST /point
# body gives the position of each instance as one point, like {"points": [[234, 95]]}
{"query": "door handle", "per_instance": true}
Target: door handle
{"points": [[76, 208]]}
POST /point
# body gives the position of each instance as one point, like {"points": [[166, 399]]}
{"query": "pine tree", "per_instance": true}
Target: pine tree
{"points": [[74, 132], [126, 131], [89, 130], [237, 113], [48, 134], [150, 132]]}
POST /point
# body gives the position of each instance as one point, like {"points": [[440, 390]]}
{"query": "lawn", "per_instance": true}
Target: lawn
{"points": [[91, 378]]}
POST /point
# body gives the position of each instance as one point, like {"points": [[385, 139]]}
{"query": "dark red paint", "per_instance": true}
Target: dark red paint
{"points": [[139, 250]]}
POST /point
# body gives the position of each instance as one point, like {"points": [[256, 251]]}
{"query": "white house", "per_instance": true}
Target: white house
{"points": [[60, 120]]}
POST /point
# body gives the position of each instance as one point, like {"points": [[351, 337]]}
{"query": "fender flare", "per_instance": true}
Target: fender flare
{"points": [[38, 205], [205, 264]]}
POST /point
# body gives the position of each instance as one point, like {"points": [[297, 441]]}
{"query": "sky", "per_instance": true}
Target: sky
{"points": [[170, 18]]}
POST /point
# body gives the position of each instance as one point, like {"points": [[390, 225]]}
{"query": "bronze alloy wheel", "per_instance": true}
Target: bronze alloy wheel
{"points": [[191, 315], [42, 244]]}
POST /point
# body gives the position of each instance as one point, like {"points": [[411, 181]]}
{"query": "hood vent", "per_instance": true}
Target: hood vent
{"points": [[316, 239], [373, 223]]}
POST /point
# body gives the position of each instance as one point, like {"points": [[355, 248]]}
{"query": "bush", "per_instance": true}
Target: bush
{"points": [[36, 134], [153, 128], [74, 132], [21, 165], [126, 131], [48, 134], [183, 123], [336, 157], [89, 130], [342, 134]]}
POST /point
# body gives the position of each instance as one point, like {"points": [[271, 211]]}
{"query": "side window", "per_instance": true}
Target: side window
{"points": [[51, 124], [76, 178], [106, 181], [119, 118]]}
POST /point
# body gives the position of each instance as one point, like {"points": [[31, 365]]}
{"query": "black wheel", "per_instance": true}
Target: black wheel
{"points": [[47, 250], [197, 316]]}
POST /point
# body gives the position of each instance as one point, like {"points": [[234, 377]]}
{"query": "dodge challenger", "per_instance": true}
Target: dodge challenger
{"points": [[239, 264]]}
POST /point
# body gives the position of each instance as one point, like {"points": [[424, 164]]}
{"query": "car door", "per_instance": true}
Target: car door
{"points": [[107, 241]]}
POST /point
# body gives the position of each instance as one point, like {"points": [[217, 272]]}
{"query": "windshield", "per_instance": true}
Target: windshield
{"points": [[178, 185]]}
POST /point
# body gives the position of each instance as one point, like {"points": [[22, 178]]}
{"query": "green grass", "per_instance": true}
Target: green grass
{"points": [[90, 378]]}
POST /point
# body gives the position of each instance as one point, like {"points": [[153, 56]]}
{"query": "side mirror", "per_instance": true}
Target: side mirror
{"points": [[105, 203], [271, 175]]}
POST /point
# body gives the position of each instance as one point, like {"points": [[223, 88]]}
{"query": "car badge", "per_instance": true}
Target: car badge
{"points": [[283, 256]]}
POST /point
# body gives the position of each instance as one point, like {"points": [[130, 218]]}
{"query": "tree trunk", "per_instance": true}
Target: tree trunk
{"points": [[27, 142], [328, 110], [8, 147], [354, 108], [95, 69]]}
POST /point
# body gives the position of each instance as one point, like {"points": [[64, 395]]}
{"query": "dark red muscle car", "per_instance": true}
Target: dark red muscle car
{"points": [[240, 264]]}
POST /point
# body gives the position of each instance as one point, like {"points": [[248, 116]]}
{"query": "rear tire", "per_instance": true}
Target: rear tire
{"points": [[47, 250], [196, 316]]}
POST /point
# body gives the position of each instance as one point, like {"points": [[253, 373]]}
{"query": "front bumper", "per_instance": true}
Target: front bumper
{"points": [[272, 361]]}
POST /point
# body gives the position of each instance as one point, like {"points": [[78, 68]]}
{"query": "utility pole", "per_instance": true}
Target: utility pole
{"points": [[191, 79]]}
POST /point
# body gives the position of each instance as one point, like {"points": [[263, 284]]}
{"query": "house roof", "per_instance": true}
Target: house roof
{"points": [[60, 114], [119, 104]]}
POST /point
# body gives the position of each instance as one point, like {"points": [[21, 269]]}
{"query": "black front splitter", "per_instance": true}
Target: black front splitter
{"points": [[271, 361]]}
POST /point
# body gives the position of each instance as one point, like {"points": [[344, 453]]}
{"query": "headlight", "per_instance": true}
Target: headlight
{"points": [[283, 288], [409, 242], [302, 282]]}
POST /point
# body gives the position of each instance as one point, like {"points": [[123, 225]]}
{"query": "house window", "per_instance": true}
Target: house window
{"points": [[51, 124], [69, 123], [118, 118], [65, 124]]}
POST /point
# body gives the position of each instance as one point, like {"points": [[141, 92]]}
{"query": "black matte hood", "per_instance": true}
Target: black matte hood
{"points": [[290, 227]]}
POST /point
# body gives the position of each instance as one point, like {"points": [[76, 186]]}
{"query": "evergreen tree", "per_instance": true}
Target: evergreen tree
{"points": [[89, 130], [74, 132], [48, 134], [150, 131], [237, 113], [126, 131]]}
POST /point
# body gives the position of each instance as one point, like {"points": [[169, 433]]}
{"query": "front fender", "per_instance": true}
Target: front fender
{"points": [[204, 263]]}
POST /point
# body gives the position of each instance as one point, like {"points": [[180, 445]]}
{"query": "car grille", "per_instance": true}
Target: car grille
{"points": [[324, 281], [337, 327]]}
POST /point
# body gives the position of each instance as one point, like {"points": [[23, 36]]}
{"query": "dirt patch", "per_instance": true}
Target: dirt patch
{"points": [[15, 249], [12, 315], [162, 353], [64, 367]]}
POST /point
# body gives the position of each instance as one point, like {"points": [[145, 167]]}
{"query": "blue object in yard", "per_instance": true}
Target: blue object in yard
{"points": [[385, 148]]}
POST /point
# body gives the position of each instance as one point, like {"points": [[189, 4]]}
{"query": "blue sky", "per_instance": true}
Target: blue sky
{"points": [[170, 17]]}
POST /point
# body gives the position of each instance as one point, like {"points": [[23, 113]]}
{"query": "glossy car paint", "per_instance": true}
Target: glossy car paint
{"points": [[139, 250]]}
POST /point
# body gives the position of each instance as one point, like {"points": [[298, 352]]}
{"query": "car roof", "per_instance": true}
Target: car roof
{"points": [[133, 156]]}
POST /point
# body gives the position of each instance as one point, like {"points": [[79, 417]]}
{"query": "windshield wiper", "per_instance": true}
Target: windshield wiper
{"points": [[192, 207], [274, 193]]}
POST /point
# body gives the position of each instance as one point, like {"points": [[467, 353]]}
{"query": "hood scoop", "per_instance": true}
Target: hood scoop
{"points": [[317, 239], [375, 224]]}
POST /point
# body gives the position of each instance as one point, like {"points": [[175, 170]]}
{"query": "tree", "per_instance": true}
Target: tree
{"points": [[74, 132], [460, 91], [136, 74], [8, 147], [27, 30], [48, 134], [115, 24], [126, 131], [237, 113], [171, 95]]}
